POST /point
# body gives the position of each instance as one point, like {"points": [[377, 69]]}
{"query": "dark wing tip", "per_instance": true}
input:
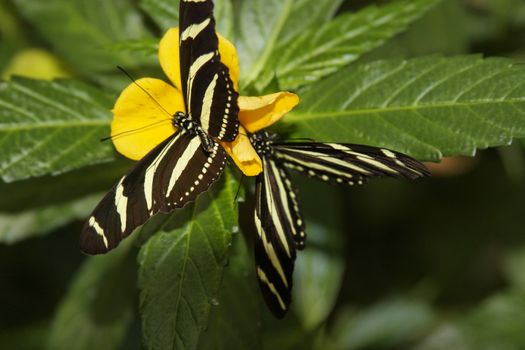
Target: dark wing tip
{"points": [[277, 312], [92, 243], [425, 172], [277, 304], [300, 244], [417, 169]]}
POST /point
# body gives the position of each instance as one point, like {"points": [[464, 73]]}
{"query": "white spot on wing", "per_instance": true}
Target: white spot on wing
{"points": [[388, 153]]}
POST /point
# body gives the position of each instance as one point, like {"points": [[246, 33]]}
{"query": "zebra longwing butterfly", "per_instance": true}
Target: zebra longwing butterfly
{"points": [[278, 221], [187, 162]]}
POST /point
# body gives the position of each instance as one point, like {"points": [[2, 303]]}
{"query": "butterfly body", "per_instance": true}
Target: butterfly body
{"points": [[193, 128]]}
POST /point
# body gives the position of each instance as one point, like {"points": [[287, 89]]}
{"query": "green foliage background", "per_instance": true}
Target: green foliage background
{"points": [[426, 265]]}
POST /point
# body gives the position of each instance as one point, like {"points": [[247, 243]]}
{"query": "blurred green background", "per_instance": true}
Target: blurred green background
{"points": [[433, 264]]}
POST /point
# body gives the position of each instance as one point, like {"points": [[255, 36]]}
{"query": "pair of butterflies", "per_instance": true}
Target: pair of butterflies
{"points": [[187, 163]]}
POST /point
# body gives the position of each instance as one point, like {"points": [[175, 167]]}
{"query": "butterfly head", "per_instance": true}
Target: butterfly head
{"points": [[183, 122], [179, 119]]}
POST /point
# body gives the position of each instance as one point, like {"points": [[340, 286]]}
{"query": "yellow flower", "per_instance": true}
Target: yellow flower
{"points": [[35, 63], [139, 123]]}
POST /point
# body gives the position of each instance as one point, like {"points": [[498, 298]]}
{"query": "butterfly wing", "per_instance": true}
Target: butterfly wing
{"points": [[347, 163], [168, 177], [280, 231], [208, 90]]}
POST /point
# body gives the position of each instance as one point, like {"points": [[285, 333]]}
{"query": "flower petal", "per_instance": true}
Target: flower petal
{"points": [[243, 154], [170, 60], [259, 112], [229, 58], [139, 123], [35, 63], [169, 56]]}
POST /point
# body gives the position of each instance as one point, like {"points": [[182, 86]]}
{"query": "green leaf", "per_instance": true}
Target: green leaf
{"points": [[513, 268], [80, 29], [323, 49], [181, 268], [442, 30], [98, 308], [493, 20], [428, 107], [7, 51], [266, 25], [39, 205], [10, 32], [29, 336], [384, 325], [495, 323], [498, 322], [51, 127], [30, 223], [166, 14], [149, 47], [47, 190], [317, 278], [320, 267], [236, 317]]}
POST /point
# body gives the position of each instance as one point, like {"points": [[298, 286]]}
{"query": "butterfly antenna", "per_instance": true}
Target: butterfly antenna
{"points": [[300, 139], [146, 91], [134, 130]]}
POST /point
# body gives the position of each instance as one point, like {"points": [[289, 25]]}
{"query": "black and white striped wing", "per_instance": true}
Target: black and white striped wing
{"points": [[347, 163], [168, 177], [280, 232], [208, 90]]}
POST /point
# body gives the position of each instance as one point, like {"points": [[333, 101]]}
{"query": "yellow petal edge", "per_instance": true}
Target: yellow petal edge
{"points": [[259, 112], [243, 154], [139, 123]]}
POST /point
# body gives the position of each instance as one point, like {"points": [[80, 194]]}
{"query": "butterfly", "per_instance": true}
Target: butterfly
{"points": [[186, 163], [278, 220]]}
